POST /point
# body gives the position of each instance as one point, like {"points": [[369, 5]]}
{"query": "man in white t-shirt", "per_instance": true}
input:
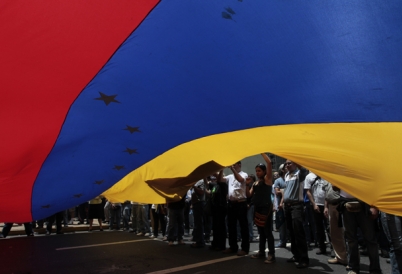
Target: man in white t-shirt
{"points": [[237, 209], [316, 190]]}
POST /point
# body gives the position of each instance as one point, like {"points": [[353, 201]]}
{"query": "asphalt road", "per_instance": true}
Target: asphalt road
{"points": [[122, 252]]}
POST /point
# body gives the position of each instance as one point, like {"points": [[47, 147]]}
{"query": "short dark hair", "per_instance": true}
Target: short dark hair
{"points": [[262, 166]]}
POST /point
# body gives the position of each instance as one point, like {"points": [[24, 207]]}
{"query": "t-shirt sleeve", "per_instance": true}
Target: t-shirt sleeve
{"points": [[276, 184], [244, 175], [307, 182]]}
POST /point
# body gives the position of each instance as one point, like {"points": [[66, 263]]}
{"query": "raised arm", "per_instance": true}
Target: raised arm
{"points": [[220, 179], [268, 176], [238, 177]]}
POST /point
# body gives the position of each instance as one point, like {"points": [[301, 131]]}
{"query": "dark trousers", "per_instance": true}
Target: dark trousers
{"points": [[351, 222], [309, 224], [267, 236], [198, 233], [321, 225], [7, 227], [219, 227], [294, 215], [158, 217], [187, 216], [237, 211], [175, 228], [50, 220]]}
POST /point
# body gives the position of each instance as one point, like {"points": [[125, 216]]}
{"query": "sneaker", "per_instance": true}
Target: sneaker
{"points": [[140, 234], [242, 253], [147, 234], [352, 272], [170, 243], [335, 261], [258, 255], [291, 260], [153, 236], [270, 259], [164, 239]]}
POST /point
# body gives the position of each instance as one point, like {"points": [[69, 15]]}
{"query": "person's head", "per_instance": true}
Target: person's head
{"points": [[212, 178], [260, 170], [250, 179], [276, 175], [290, 166], [282, 170], [237, 166]]}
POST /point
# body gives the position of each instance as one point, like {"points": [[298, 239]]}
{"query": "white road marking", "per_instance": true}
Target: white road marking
{"points": [[180, 268], [114, 243]]}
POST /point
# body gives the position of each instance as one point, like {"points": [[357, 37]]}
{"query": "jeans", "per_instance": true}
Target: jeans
{"points": [[198, 233], [115, 214], [175, 228], [142, 217], [250, 220], [351, 221], [126, 215], [393, 230], [237, 211], [294, 215]]}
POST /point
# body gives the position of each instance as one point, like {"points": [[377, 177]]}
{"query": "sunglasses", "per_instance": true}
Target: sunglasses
{"points": [[288, 164]]}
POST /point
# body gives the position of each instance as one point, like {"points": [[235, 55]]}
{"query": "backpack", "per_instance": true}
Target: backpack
{"points": [[333, 195]]}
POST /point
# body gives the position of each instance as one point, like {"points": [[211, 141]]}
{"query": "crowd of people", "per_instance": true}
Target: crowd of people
{"points": [[306, 210]]}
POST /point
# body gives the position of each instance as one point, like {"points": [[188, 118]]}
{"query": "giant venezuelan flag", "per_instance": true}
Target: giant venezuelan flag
{"points": [[138, 99]]}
